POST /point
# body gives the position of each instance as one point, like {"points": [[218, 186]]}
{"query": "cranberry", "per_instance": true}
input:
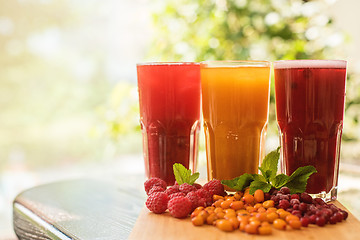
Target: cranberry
{"points": [[304, 221], [320, 221], [312, 219], [305, 197], [332, 220], [339, 216], [294, 201], [284, 204], [285, 190], [319, 201], [267, 196], [295, 196], [303, 207], [345, 214]]}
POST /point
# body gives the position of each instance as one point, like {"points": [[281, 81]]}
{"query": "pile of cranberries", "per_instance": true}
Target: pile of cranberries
{"points": [[309, 210]]}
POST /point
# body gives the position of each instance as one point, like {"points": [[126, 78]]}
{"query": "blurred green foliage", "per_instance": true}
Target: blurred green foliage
{"points": [[198, 30]]}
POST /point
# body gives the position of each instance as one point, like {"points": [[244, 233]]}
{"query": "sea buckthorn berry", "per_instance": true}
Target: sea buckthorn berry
{"points": [[211, 219], [197, 221], [283, 214], [217, 204], [261, 210], [229, 198], [242, 212], [238, 196], [251, 229], [290, 217], [230, 211], [242, 226], [265, 230], [246, 191], [259, 195], [295, 224], [204, 214], [248, 198], [218, 209], [272, 209], [261, 217], [220, 215], [268, 204], [258, 205], [279, 224], [237, 205], [243, 218], [229, 215], [217, 197], [250, 209], [271, 217], [224, 225], [234, 222], [226, 204]]}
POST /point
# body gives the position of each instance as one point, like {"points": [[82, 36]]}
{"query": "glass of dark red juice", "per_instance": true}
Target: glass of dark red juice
{"points": [[310, 97], [169, 97]]}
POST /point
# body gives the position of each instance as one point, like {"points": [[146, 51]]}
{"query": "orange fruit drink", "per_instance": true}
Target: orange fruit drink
{"points": [[235, 103]]}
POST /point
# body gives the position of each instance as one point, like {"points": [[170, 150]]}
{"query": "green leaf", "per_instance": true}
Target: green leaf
{"points": [[239, 183], [193, 178], [298, 180], [183, 175], [270, 164], [255, 185], [280, 180], [258, 177]]}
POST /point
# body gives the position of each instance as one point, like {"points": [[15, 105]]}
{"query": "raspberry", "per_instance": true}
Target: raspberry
{"points": [[157, 202], [186, 188], [198, 186], [156, 189], [214, 187], [178, 194], [206, 196], [148, 184], [179, 207], [172, 189], [194, 198]]}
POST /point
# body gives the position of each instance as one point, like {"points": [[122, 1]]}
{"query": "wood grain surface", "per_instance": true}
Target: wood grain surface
{"points": [[162, 226], [78, 209]]}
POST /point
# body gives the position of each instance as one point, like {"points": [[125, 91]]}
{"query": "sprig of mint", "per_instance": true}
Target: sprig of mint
{"points": [[183, 175], [269, 179]]}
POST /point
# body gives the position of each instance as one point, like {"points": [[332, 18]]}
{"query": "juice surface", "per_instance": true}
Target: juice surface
{"points": [[235, 110], [310, 110], [169, 96]]}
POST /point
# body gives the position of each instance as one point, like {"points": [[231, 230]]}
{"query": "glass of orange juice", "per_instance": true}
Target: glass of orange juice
{"points": [[235, 103]]}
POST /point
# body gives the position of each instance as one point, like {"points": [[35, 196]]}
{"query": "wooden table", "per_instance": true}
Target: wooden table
{"points": [[78, 209], [91, 209]]}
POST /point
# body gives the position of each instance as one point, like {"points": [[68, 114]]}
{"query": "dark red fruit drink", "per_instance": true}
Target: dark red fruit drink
{"points": [[169, 96], [310, 96]]}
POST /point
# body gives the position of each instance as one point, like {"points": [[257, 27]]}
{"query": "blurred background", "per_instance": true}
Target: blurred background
{"points": [[68, 95]]}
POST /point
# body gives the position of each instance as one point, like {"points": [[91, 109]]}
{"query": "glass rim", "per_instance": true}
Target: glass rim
{"points": [[234, 63], [309, 63], [167, 63]]}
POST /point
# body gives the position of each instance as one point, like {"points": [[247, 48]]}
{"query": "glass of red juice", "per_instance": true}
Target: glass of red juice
{"points": [[310, 97], [169, 97]]}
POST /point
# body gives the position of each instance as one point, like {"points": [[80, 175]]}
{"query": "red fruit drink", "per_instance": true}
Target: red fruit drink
{"points": [[169, 96], [310, 96]]}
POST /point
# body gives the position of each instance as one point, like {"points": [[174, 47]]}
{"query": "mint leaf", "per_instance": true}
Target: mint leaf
{"points": [[182, 175], [258, 177], [239, 183], [270, 164], [255, 185], [280, 180], [193, 178], [298, 180]]}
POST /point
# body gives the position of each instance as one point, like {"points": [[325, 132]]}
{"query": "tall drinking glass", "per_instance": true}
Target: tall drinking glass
{"points": [[235, 97], [310, 97], [169, 96]]}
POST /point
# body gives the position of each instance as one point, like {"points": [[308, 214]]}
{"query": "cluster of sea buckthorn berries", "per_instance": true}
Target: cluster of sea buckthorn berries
{"points": [[253, 214]]}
